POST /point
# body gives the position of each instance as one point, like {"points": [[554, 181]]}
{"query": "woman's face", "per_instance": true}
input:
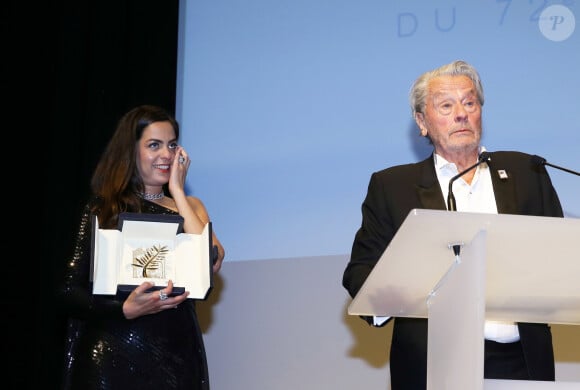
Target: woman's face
{"points": [[155, 153]]}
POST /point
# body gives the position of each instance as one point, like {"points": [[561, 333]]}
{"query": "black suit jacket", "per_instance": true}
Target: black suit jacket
{"points": [[392, 194]]}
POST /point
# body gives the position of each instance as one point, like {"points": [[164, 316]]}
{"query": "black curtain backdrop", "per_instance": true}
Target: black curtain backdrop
{"points": [[74, 68]]}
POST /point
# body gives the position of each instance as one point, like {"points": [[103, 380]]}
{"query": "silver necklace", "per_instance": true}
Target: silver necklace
{"points": [[147, 196]]}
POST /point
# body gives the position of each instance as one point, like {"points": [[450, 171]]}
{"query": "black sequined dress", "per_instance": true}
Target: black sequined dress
{"points": [[105, 351]]}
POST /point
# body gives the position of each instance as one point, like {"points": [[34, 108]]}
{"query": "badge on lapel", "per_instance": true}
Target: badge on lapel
{"points": [[502, 174]]}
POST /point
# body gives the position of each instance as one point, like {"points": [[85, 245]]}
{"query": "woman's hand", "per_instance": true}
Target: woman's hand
{"points": [[140, 303], [179, 168]]}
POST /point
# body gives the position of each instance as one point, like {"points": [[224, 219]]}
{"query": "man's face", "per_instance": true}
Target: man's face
{"points": [[452, 117]]}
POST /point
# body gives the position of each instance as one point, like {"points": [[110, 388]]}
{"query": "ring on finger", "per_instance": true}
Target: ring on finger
{"points": [[162, 296], [181, 160]]}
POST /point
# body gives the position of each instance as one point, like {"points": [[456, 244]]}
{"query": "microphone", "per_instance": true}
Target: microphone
{"points": [[537, 160], [484, 157], [451, 206]]}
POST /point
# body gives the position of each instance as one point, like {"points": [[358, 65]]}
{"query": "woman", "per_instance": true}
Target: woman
{"points": [[147, 340]]}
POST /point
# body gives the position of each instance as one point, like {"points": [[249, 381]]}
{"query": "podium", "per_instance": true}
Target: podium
{"points": [[511, 267]]}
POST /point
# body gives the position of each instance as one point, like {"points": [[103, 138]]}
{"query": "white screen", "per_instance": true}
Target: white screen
{"points": [[287, 107]]}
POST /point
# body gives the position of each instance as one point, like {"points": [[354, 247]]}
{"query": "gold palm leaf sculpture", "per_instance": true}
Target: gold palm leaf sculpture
{"points": [[151, 260]]}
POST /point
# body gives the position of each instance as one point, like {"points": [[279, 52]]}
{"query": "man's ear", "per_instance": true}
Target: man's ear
{"points": [[420, 120]]}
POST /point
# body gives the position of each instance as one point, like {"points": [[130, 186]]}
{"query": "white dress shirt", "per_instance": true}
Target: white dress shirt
{"points": [[478, 197]]}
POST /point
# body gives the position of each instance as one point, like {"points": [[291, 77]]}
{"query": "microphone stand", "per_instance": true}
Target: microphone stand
{"points": [[542, 161], [451, 205]]}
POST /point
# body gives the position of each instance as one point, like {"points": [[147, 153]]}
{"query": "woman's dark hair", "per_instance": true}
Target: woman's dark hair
{"points": [[116, 181]]}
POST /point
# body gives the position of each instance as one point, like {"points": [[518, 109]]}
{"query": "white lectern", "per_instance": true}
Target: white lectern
{"points": [[511, 267]]}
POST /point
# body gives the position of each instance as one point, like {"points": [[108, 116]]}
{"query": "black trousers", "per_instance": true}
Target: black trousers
{"points": [[504, 361]]}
